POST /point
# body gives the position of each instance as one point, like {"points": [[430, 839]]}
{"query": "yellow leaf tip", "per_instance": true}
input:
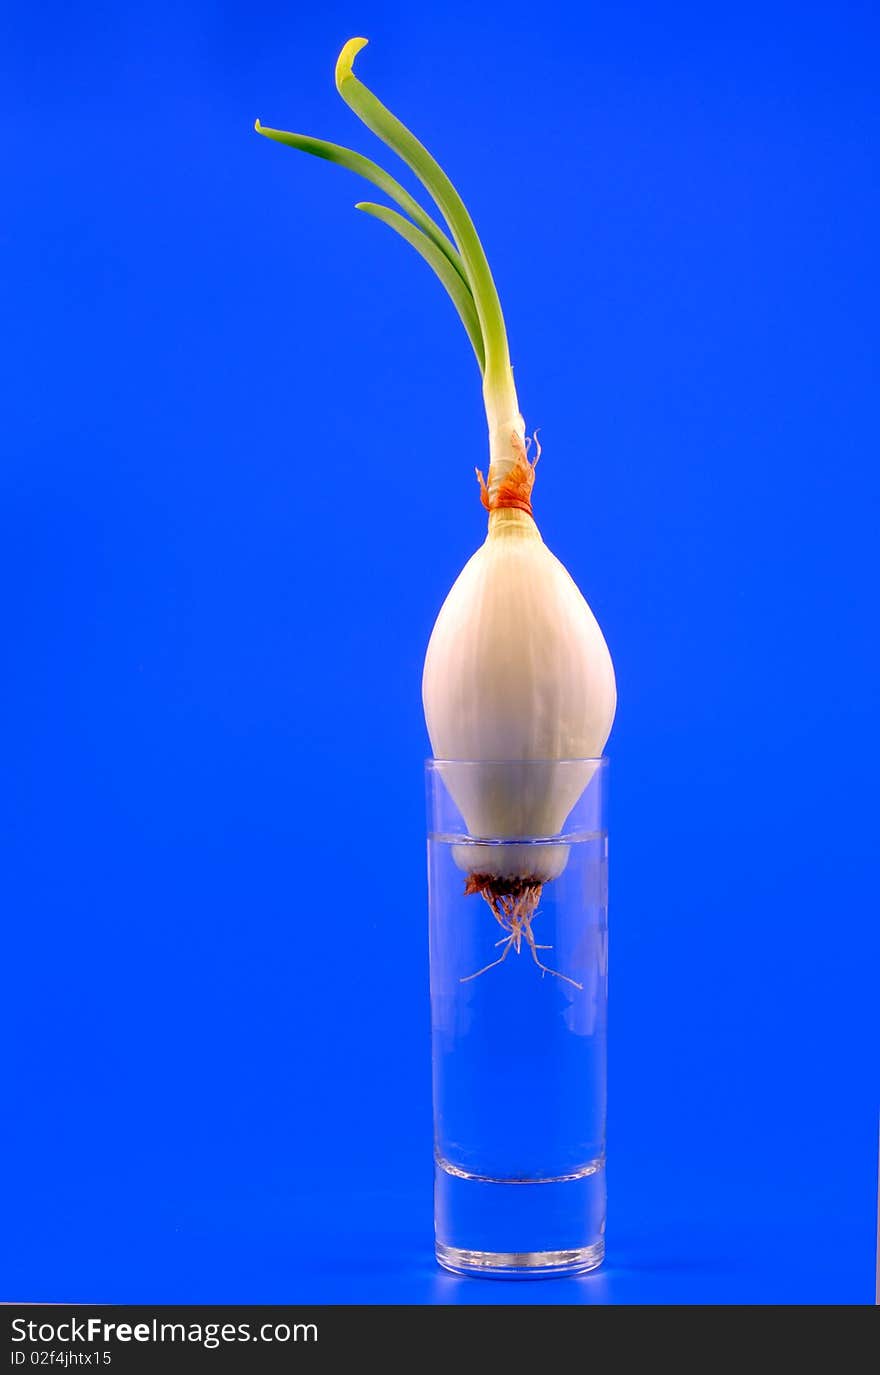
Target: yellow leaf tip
{"points": [[258, 126], [345, 61]]}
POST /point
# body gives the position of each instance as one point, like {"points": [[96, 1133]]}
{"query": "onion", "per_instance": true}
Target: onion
{"points": [[517, 671]]}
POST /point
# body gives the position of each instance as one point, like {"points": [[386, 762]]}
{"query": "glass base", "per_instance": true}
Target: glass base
{"points": [[521, 1264], [520, 1227]]}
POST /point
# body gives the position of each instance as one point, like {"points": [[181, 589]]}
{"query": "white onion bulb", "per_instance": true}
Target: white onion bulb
{"points": [[517, 669]]}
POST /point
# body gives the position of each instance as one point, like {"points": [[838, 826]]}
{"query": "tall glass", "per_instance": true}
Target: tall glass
{"points": [[518, 936]]}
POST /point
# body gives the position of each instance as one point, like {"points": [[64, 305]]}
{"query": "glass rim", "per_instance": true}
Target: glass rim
{"points": [[601, 759]]}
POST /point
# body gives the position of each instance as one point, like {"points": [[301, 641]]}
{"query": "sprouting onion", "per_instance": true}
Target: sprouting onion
{"points": [[517, 668]]}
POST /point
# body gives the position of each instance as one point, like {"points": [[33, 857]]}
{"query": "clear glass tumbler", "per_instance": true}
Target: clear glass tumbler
{"points": [[519, 941]]}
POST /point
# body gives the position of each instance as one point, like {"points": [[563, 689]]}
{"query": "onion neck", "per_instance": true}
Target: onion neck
{"points": [[507, 429], [511, 523]]}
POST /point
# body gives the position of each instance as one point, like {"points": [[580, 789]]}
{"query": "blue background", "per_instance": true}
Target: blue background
{"points": [[240, 427]]}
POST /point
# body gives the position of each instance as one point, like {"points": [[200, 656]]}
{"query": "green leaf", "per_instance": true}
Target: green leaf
{"points": [[370, 171], [499, 378], [458, 290]]}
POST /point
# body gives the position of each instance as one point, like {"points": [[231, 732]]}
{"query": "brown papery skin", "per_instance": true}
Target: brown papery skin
{"points": [[515, 488]]}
